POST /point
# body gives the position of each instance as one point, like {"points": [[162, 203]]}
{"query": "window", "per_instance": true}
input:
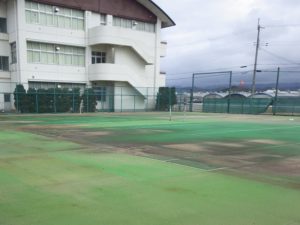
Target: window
{"points": [[3, 25], [6, 97], [13, 51], [100, 93], [133, 24], [55, 54], [103, 19], [48, 85], [98, 57], [4, 63], [37, 13]]}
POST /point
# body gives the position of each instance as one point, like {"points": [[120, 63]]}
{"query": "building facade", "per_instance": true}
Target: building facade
{"points": [[113, 46]]}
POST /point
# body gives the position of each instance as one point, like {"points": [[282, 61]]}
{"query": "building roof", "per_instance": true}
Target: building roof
{"points": [[145, 10], [155, 9]]}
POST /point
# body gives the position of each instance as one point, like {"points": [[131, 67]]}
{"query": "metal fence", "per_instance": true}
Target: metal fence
{"points": [[62, 99], [276, 92]]}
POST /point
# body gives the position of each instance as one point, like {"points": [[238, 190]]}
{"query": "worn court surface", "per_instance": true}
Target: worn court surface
{"points": [[138, 169]]}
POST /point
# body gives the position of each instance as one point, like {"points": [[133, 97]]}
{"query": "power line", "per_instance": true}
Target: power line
{"points": [[283, 25], [280, 57], [203, 71], [234, 73], [278, 64], [216, 38]]}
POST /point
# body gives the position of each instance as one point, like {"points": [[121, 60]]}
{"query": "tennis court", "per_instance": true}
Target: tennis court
{"points": [[142, 168]]}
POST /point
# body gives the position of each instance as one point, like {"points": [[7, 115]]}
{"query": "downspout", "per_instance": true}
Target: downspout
{"points": [[18, 43], [155, 63]]}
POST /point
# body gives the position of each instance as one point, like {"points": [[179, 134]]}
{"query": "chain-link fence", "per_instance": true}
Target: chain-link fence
{"points": [[272, 92], [275, 92], [76, 98]]}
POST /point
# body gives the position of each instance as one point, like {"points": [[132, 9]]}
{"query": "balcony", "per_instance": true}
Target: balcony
{"points": [[142, 43]]}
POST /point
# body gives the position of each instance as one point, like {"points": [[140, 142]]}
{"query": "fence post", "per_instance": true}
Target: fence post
{"points": [[158, 102], [54, 98], [230, 89], [134, 102], [17, 98], [36, 101], [170, 104], [87, 101], [121, 99], [192, 94], [276, 92], [147, 100], [73, 100]]}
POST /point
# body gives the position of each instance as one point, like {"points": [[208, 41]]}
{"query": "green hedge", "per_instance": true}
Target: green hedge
{"points": [[53, 100]]}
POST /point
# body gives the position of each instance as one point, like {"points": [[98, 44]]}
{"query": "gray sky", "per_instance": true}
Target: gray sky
{"points": [[219, 35]]}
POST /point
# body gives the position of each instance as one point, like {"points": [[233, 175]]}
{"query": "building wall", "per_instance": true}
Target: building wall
{"points": [[4, 75], [127, 99], [133, 57], [4, 44]]}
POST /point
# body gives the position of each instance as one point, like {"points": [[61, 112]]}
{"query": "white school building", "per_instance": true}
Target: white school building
{"points": [[113, 46]]}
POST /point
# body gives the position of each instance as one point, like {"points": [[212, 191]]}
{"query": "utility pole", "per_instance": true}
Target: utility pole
{"points": [[276, 93], [256, 56]]}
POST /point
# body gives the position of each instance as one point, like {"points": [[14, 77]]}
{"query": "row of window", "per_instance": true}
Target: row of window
{"points": [[99, 92], [52, 54], [55, 54], [37, 13], [4, 63], [48, 85], [133, 24], [60, 54], [3, 25], [47, 15]]}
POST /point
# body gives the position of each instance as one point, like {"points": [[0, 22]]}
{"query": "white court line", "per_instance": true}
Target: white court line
{"points": [[205, 170], [216, 169], [246, 130], [171, 160]]}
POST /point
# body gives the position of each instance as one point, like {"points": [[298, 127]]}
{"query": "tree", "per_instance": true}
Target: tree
{"points": [[166, 97], [20, 98]]}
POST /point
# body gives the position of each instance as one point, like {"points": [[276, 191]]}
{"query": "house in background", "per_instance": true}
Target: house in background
{"points": [[113, 46]]}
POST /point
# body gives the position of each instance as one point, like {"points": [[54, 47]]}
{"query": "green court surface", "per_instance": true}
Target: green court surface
{"points": [[142, 169]]}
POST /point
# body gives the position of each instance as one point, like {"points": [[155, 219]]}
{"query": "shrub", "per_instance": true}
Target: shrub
{"points": [[166, 97]]}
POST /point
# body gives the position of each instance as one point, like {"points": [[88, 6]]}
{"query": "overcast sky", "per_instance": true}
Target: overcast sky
{"points": [[219, 35]]}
